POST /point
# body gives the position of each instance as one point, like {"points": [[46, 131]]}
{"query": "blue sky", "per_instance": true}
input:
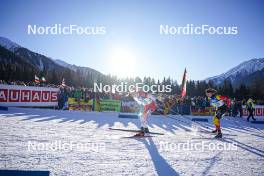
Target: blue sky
{"points": [[132, 33]]}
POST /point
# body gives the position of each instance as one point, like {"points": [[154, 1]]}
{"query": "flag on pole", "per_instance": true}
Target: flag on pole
{"points": [[184, 81], [63, 82], [43, 79], [37, 79]]}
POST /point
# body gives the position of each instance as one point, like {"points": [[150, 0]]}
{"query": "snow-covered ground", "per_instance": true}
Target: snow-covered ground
{"points": [[108, 152]]}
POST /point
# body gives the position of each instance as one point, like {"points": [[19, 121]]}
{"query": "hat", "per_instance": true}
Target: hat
{"points": [[210, 90]]}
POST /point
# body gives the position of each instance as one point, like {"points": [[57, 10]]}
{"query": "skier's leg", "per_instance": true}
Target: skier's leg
{"points": [[141, 118], [142, 121], [253, 116], [216, 120], [145, 122], [215, 123], [218, 116], [241, 112], [218, 128], [248, 117], [250, 114]]}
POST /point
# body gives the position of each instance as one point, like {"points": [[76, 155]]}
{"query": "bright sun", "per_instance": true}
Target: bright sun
{"points": [[122, 62]]}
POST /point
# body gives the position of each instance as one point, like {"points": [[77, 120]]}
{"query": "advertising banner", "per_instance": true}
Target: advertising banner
{"points": [[208, 111], [259, 111], [129, 106], [80, 104], [108, 105], [23, 96], [111, 105], [202, 111]]}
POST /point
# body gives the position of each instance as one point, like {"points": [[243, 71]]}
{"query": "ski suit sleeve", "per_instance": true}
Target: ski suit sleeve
{"points": [[226, 100]]}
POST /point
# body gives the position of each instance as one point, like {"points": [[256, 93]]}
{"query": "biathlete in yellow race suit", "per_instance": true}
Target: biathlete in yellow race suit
{"points": [[221, 103]]}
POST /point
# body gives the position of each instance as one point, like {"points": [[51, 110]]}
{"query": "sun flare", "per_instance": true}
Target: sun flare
{"points": [[122, 62]]}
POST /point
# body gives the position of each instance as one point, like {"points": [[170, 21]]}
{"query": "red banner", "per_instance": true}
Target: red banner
{"points": [[13, 95]]}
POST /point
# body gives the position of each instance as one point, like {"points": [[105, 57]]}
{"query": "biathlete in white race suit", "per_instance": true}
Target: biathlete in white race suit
{"points": [[147, 106]]}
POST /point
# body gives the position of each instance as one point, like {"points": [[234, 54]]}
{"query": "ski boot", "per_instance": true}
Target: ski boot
{"points": [[214, 131], [146, 130], [140, 134], [219, 135]]}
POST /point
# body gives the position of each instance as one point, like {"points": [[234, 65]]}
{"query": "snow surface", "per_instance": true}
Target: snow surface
{"points": [[126, 156]]}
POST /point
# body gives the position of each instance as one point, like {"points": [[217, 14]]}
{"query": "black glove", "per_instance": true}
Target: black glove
{"points": [[219, 115]]}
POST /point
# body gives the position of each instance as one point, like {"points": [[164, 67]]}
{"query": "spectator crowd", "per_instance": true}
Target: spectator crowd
{"points": [[167, 104]]}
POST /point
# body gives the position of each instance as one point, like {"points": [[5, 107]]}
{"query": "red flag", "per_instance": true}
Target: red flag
{"points": [[37, 79], [63, 82], [184, 80]]}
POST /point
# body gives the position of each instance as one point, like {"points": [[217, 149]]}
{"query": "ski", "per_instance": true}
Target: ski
{"points": [[139, 137], [211, 138], [205, 131], [209, 132], [136, 131]]}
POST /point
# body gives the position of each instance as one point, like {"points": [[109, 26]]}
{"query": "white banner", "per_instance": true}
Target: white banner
{"points": [[13, 95], [259, 111]]}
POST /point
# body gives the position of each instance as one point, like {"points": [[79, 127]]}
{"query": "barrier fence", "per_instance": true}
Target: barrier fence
{"points": [[30, 96], [209, 111]]}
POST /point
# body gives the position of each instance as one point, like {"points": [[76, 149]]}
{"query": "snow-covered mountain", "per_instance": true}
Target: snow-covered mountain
{"points": [[239, 73], [24, 59], [82, 70], [26, 63], [37, 60], [65, 64], [8, 44]]}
